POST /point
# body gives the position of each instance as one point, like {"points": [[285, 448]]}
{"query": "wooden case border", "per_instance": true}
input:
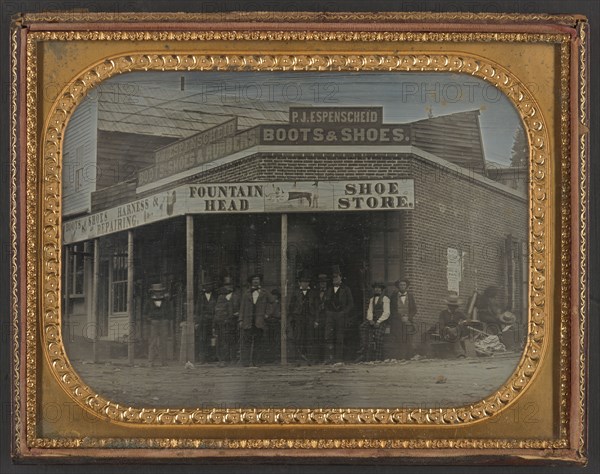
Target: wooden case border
{"points": [[35, 265]]}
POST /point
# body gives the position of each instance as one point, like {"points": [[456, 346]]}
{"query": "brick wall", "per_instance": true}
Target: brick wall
{"points": [[452, 210], [456, 211], [307, 167]]}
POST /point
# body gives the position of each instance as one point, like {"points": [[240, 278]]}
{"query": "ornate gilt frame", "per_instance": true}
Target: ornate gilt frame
{"points": [[354, 42]]}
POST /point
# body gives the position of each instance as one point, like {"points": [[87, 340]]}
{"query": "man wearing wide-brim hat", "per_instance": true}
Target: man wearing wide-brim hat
{"points": [[302, 310], [375, 325], [204, 315], [256, 308], [338, 308], [451, 324], [159, 312], [402, 321], [226, 321]]}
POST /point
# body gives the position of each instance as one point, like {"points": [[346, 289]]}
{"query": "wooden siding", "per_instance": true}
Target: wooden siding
{"points": [[79, 159], [454, 137], [122, 155]]}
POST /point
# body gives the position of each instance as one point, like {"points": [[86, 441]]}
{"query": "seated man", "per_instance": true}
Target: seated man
{"points": [[375, 326], [451, 325]]}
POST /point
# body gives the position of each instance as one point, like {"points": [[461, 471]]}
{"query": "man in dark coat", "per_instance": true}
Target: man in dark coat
{"points": [[159, 312], [256, 308], [226, 322], [402, 327], [318, 343], [303, 316], [206, 301], [375, 325], [452, 325], [338, 308]]}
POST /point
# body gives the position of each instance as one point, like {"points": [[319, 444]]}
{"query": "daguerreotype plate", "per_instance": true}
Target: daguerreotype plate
{"points": [[342, 236]]}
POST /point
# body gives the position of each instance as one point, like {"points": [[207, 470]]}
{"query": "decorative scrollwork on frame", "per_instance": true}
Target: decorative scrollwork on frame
{"points": [[43, 254], [297, 17], [583, 207], [51, 212]]}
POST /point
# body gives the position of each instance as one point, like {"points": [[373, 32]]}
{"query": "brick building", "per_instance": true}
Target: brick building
{"points": [[328, 186]]}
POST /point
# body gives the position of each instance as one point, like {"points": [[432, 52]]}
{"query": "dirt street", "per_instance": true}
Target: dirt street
{"points": [[391, 384]]}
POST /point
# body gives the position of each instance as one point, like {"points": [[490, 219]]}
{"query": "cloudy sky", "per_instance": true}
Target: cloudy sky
{"points": [[405, 96]]}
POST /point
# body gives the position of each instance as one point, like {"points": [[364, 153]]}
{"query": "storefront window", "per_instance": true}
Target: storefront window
{"points": [[119, 281], [77, 270]]}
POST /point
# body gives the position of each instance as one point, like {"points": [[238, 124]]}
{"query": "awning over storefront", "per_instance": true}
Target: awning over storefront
{"points": [[273, 197]]}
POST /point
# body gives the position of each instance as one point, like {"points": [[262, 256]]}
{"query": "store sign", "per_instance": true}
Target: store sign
{"points": [[301, 196], [360, 134], [188, 146], [196, 157], [454, 269], [319, 116], [326, 126]]}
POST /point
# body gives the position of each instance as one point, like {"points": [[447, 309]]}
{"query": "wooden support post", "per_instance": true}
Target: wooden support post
{"points": [[189, 340], [130, 312], [284, 262], [95, 296]]}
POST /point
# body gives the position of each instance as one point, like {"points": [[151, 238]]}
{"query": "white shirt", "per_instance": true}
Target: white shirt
{"points": [[335, 289], [403, 298], [386, 309], [255, 296], [207, 295], [228, 296]]}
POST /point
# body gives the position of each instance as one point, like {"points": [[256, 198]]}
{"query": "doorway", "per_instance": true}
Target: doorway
{"points": [[318, 242]]}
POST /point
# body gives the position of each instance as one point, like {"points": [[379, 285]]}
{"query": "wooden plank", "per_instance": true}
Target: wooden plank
{"points": [[190, 339], [130, 312], [284, 285], [95, 298]]}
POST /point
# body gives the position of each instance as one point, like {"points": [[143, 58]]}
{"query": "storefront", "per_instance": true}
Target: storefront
{"points": [[334, 186]]}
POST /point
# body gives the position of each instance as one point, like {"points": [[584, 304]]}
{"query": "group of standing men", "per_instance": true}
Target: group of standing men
{"points": [[234, 325], [245, 325]]}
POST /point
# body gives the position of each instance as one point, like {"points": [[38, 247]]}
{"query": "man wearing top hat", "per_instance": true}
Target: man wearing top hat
{"points": [[255, 308], [227, 307], [206, 301], [338, 308], [303, 316], [159, 312], [375, 325], [451, 325]]}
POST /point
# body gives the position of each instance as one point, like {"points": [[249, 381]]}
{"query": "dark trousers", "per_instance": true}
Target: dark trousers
{"points": [[226, 340], [203, 336], [272, 345], [157, 347], [335, 325], [252, 346], [314, 346], [371, 340], [401, 340], [300, 339]]}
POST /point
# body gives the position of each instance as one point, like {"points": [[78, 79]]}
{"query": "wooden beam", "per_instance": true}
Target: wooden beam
{"points": [[95, 297], [130, 312], [190, 339], [284, 262]]}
